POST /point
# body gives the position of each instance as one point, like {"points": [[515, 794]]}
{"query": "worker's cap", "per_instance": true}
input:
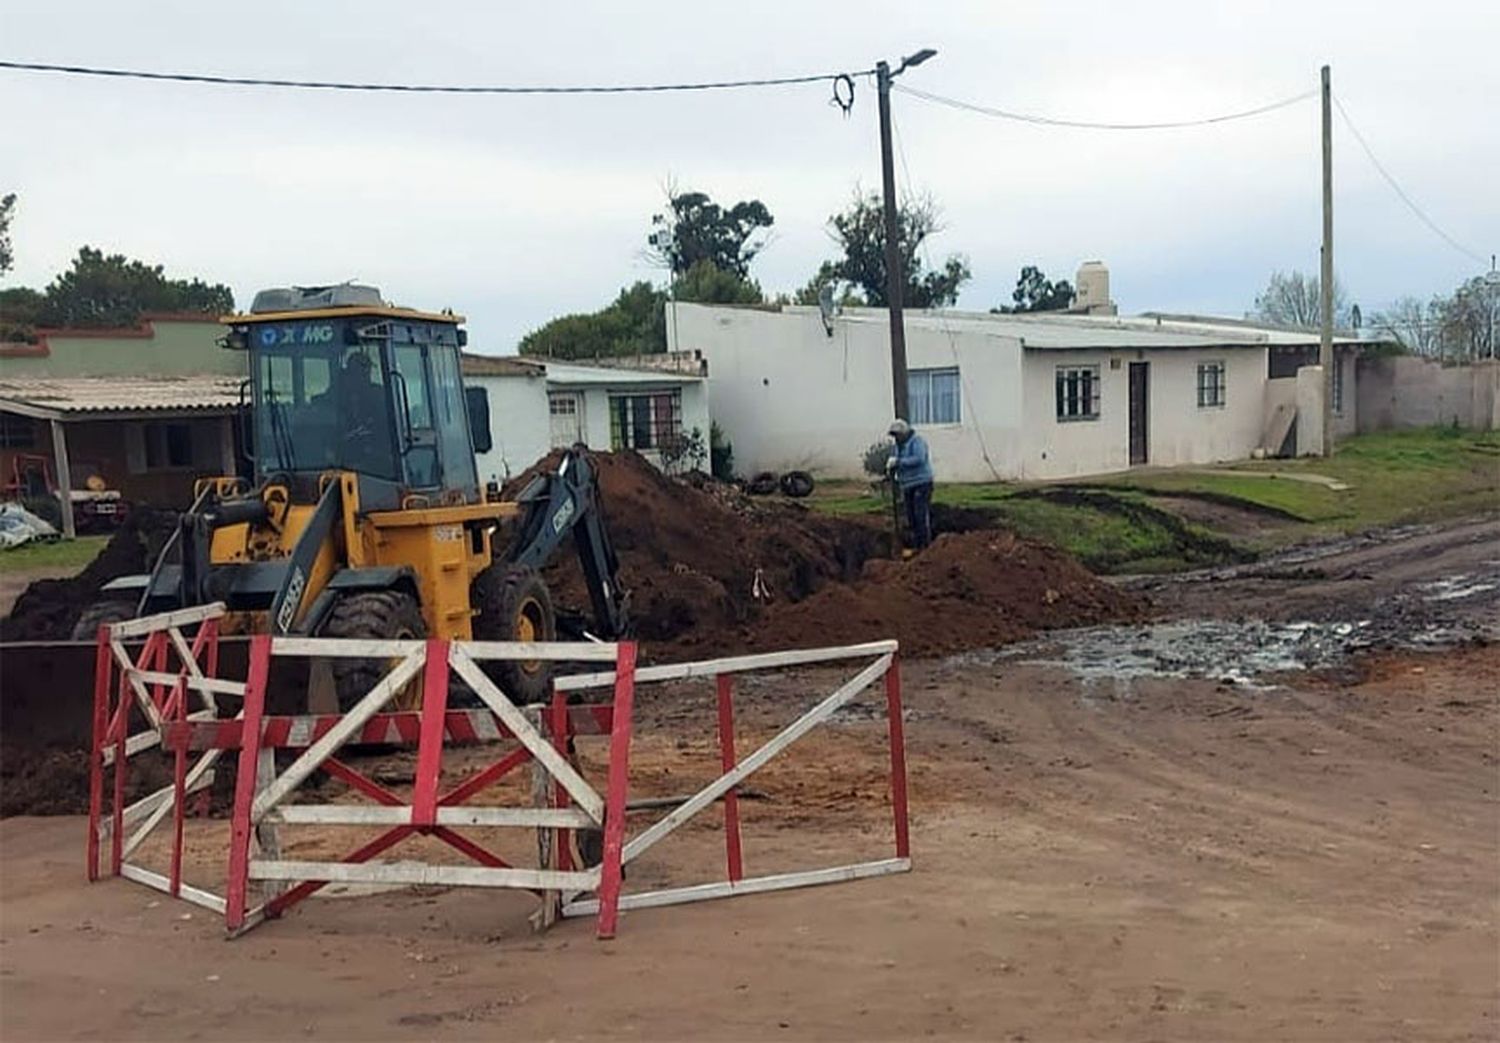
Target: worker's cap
{"points": [[898, 428]]}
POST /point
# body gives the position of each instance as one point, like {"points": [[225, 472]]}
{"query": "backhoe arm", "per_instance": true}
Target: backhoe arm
{"points": [[566, 501]]}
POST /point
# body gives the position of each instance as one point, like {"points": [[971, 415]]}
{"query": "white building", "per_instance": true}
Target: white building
{"points": [[536, 405], [1010, 397]]}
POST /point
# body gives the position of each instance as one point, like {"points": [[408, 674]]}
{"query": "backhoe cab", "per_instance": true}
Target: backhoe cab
{"points": [[365, 517]]}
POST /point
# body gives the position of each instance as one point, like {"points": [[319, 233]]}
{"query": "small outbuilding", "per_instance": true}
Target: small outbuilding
{"points": [[537, 405]]}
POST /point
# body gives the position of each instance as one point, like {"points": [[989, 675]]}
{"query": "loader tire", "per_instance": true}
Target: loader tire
{"points": [[99, 613], [515, 605], [381, 614]]}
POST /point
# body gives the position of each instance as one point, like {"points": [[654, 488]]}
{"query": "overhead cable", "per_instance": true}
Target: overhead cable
{"points": [[1400, 192], [436, 88], [1054, 121]]}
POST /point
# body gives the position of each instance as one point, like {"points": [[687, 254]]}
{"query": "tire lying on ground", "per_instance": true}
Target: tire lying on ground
{"points": [[374, 614], [96, 615], [797, 484], [763, 484], [515, 605]]}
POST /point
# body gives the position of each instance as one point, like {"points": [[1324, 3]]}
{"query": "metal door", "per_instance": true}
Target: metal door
{"points": [[566, 408], [1140, 395]]}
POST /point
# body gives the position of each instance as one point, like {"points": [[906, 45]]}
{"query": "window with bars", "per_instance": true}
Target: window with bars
{"points": [[1338, 385], [1211, 386], [933, 396], [1078, 392], [17, 432], [646, 421]]}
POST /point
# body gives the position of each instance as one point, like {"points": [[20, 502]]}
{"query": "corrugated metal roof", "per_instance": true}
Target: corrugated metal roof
{"points": [[75, 397]]}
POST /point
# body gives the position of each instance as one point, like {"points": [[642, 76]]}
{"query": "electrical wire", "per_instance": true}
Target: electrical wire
{"points": [[1400, 192], [840, 80], [1053, 121]]}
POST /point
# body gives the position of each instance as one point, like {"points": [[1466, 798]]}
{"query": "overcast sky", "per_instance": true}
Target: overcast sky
{"points": [[517, 209]]}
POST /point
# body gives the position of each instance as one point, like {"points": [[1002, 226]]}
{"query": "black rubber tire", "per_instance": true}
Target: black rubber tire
{"points": [[371, 614], [515, 605], [763, 484], [100, 612], [797, 484]]}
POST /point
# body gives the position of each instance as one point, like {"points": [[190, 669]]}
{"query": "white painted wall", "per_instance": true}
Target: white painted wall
{"points": [[1177, 430], [518, 424], [520, 420], [790, 396]]}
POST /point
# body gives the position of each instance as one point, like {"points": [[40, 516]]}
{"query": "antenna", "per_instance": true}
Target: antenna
{"points": [[826, 307]]}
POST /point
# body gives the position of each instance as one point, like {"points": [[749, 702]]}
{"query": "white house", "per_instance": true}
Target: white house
{"points": [[536, 405], [1010, 397]]}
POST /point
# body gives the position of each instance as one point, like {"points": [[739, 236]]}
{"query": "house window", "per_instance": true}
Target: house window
{"points": [[646, 421], [1078, 392], [933, 395], [17, 432], [1338, 386], [1210, 384]]}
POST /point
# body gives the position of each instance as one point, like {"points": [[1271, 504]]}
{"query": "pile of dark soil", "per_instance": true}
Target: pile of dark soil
{"points": [[48, 608], [713, 572], [968, 590], [701, 559]]}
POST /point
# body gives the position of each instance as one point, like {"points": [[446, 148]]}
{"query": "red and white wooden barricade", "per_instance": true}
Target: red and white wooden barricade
{"points": [[171, 680], [261, 802], [883, 664]]}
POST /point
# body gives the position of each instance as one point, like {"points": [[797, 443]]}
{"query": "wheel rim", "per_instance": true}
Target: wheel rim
{"points": [[531, 625]]}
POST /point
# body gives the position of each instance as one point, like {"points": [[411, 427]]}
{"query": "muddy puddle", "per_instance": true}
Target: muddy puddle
{"points": [[1444, 612]]}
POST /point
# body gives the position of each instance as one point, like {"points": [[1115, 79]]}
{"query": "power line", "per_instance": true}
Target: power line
{"points": [[1395, 187], [1053, 121], [406, 88]]}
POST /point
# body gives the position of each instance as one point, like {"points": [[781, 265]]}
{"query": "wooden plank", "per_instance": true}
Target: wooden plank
{"points": [[345, 647], [151, 801], [189, 893], [565, 651], [164, 620], [788, 735], [420, 874], [348, 726], [754, 885], [197, 684], [130, 674], [201, 768], [555, 763], [189, 659], [730, 665], [370, 815]]}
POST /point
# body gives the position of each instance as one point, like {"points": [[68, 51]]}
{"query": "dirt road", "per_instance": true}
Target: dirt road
{"points": [[1176, 860]]}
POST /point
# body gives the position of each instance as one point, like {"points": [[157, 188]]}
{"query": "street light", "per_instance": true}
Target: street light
{"points": [[894, 273]]}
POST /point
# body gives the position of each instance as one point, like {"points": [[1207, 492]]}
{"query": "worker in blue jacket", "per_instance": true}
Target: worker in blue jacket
{"points": [[911, 466]]}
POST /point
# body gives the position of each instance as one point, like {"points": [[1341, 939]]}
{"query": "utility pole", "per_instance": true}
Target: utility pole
{"points": [[1325, 286], [895, 273]]}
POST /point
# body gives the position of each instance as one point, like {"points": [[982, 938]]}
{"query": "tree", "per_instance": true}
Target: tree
{"points": [[633, 324], [696, 229], [107, 291], [7, 208], [1293, 300], [860, 232], [1035, 292], [1468, 319], [1412, 324], [706, 283]]}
